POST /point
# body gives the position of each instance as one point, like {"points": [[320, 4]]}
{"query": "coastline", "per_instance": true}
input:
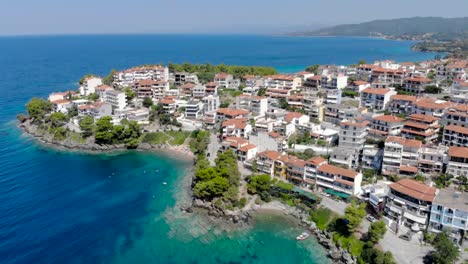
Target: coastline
{"points": [[177, 152]]}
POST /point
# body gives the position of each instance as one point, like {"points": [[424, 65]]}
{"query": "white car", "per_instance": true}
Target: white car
{"points": [[371, 218]]}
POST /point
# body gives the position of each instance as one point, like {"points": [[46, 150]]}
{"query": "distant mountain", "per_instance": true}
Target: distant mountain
{"points": [[417, 28]]}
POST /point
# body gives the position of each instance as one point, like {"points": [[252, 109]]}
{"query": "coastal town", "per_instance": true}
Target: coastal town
{"points": [[391, 135]]}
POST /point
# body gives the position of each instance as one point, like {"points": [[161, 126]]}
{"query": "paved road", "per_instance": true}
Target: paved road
{"points": [[335, 206], [404, 252], [213, 148]]}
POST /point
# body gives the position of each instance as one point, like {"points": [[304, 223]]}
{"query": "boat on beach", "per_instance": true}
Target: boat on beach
{"points": [[303, 236]]}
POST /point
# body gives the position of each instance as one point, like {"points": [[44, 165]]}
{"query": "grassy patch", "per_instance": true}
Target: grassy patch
{"points": [[322, 217], [178, 137], [354, 245], [76, 137], [155, 138]]}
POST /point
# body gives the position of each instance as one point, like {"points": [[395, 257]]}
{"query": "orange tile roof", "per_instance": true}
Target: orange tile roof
{"points": [[274, 134], [345, 182], [270, 154], [414, 189], [423, 118], [416, 124], [360, 83], [232, 112], [237, 123], [432, 103], [316, 160], [408, 168], [236, 141], [404, 141], [57, 102], [419, 79], [458, 129], [388, 118], [327, 168], [291, 115], [461, 152], [355, 124], [166, 101], [247, 147], [379, 91], [403, 97]]}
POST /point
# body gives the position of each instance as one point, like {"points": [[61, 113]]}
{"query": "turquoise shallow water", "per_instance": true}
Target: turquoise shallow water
{"points": [[63, 207]]}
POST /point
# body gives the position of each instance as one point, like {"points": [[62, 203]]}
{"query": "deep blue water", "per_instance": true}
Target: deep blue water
{"points": [[62, 207]]}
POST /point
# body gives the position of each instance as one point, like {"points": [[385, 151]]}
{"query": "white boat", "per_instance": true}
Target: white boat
{"points": [[303, 236]]}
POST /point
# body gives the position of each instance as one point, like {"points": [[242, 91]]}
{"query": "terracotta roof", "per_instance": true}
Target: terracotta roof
{"points": [[423, 118], [388, 118], [458, 129], [360, 83], [282, 77], [403, 97], [236, 141], [237, 123], [337, 171], [221, 75], [314, 78], [404, 141], [103, 87], [166, 101], [291, 115], [187, 86], [145, 82], [379, 91], [57, 102], [212, 84], [270, 154], [419, 79], [232, 112], [316, 160], [345, 182], [354, 124], [294, 161], [461, 152], [416, 124], [432, 103], [414, 189], [247, 147], [274, 134], [408, 168]]}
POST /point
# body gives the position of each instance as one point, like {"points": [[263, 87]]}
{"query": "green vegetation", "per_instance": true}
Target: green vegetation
{"points": [[350, 93], [307, 154], [199, 142], [231, 92], [38, 108], [107, 133], [432, 89], [87, 126], [109, 78], [313, 69], [443, 180], [445, 251], [221, 181], [261, 92], [376, 231], [147, 102], [129, 93], [174, 138], [93, 97], [206, 72], [372, 255], [323, 217], [354, 215]]}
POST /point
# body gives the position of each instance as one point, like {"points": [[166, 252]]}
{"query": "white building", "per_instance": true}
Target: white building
{"points": [[238, 127], [449, 211], [223, 79], [257, 105], [211, 103], [376, 98], [88, 85], [353, 134], [116, 99], [401, 156], [338, 179], [455, 136], [128, 77], [193, 109], [372, 157], [458, 161]]}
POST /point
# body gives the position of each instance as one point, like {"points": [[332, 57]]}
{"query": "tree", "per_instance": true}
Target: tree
{"points": [[57, 119], [212, 188], [445, 252], [432, 89], [283, 103], [261, 92], [314, 69], [109, 78], [129, 93], [104, 130], [443, 181], [93, 96], [147, 102], [376, 231], [354, 215], [87, 126], [37, 108], [73, 111], [361, 62], [259, 183]]}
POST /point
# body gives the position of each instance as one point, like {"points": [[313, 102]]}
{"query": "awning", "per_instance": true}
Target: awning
{"points": [[337, 193], [304, 193]]}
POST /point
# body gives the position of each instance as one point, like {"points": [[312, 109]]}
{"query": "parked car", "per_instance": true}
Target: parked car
{"points": [[406, 236], [371, 218]]}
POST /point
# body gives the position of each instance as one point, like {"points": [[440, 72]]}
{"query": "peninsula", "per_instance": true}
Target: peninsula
{"points": [[365, 155]]}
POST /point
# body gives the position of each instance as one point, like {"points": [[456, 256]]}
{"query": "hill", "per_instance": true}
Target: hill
{"points": [[415, 28]]}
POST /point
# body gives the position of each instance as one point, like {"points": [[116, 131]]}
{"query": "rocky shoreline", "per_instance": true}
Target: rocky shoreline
{"points": [[93, 148], [244, 218]]}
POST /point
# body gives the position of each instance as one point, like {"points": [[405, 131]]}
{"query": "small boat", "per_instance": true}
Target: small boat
{"points": [[164, 183], [303, 236]]}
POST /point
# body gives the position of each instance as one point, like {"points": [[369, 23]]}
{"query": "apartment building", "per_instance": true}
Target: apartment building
{"points": [[128, 77], [88, 85], [416, 84], [423, 127], [333, 96], [401, 156], [371, 157], [338, 179], [211, 103], [194, 109], [402, 104], [432, 159], [151, 88], [295, 101], [314, 82], [310, 169], [238, 127], [241, 147], [67, 95], [409, 203], [252, 81], [222, 79], [186, 89], [386, 75], [257, 105], [168, 105], [336, 113], [116, 99], [295, 169], [458, 87], [265, 161], [181, 78], [385, 125], [353, 134], [278, 93], [456, 115], [211, 88], [431, 106], [96, 110], [449, 211], [376, 98], [281, 81], [455, 136], [457, 161], [101, 89], [358, 86], [348, 157]]}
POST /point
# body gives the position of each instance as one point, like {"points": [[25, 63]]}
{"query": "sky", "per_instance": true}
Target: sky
{"points": [[37, 17]]}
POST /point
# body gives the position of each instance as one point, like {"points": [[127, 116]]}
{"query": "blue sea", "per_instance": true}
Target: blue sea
{"points": [[70, 207]]}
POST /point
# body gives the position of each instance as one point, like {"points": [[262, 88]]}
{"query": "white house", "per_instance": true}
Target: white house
{"points": [[115, 98], [88, 85]]}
